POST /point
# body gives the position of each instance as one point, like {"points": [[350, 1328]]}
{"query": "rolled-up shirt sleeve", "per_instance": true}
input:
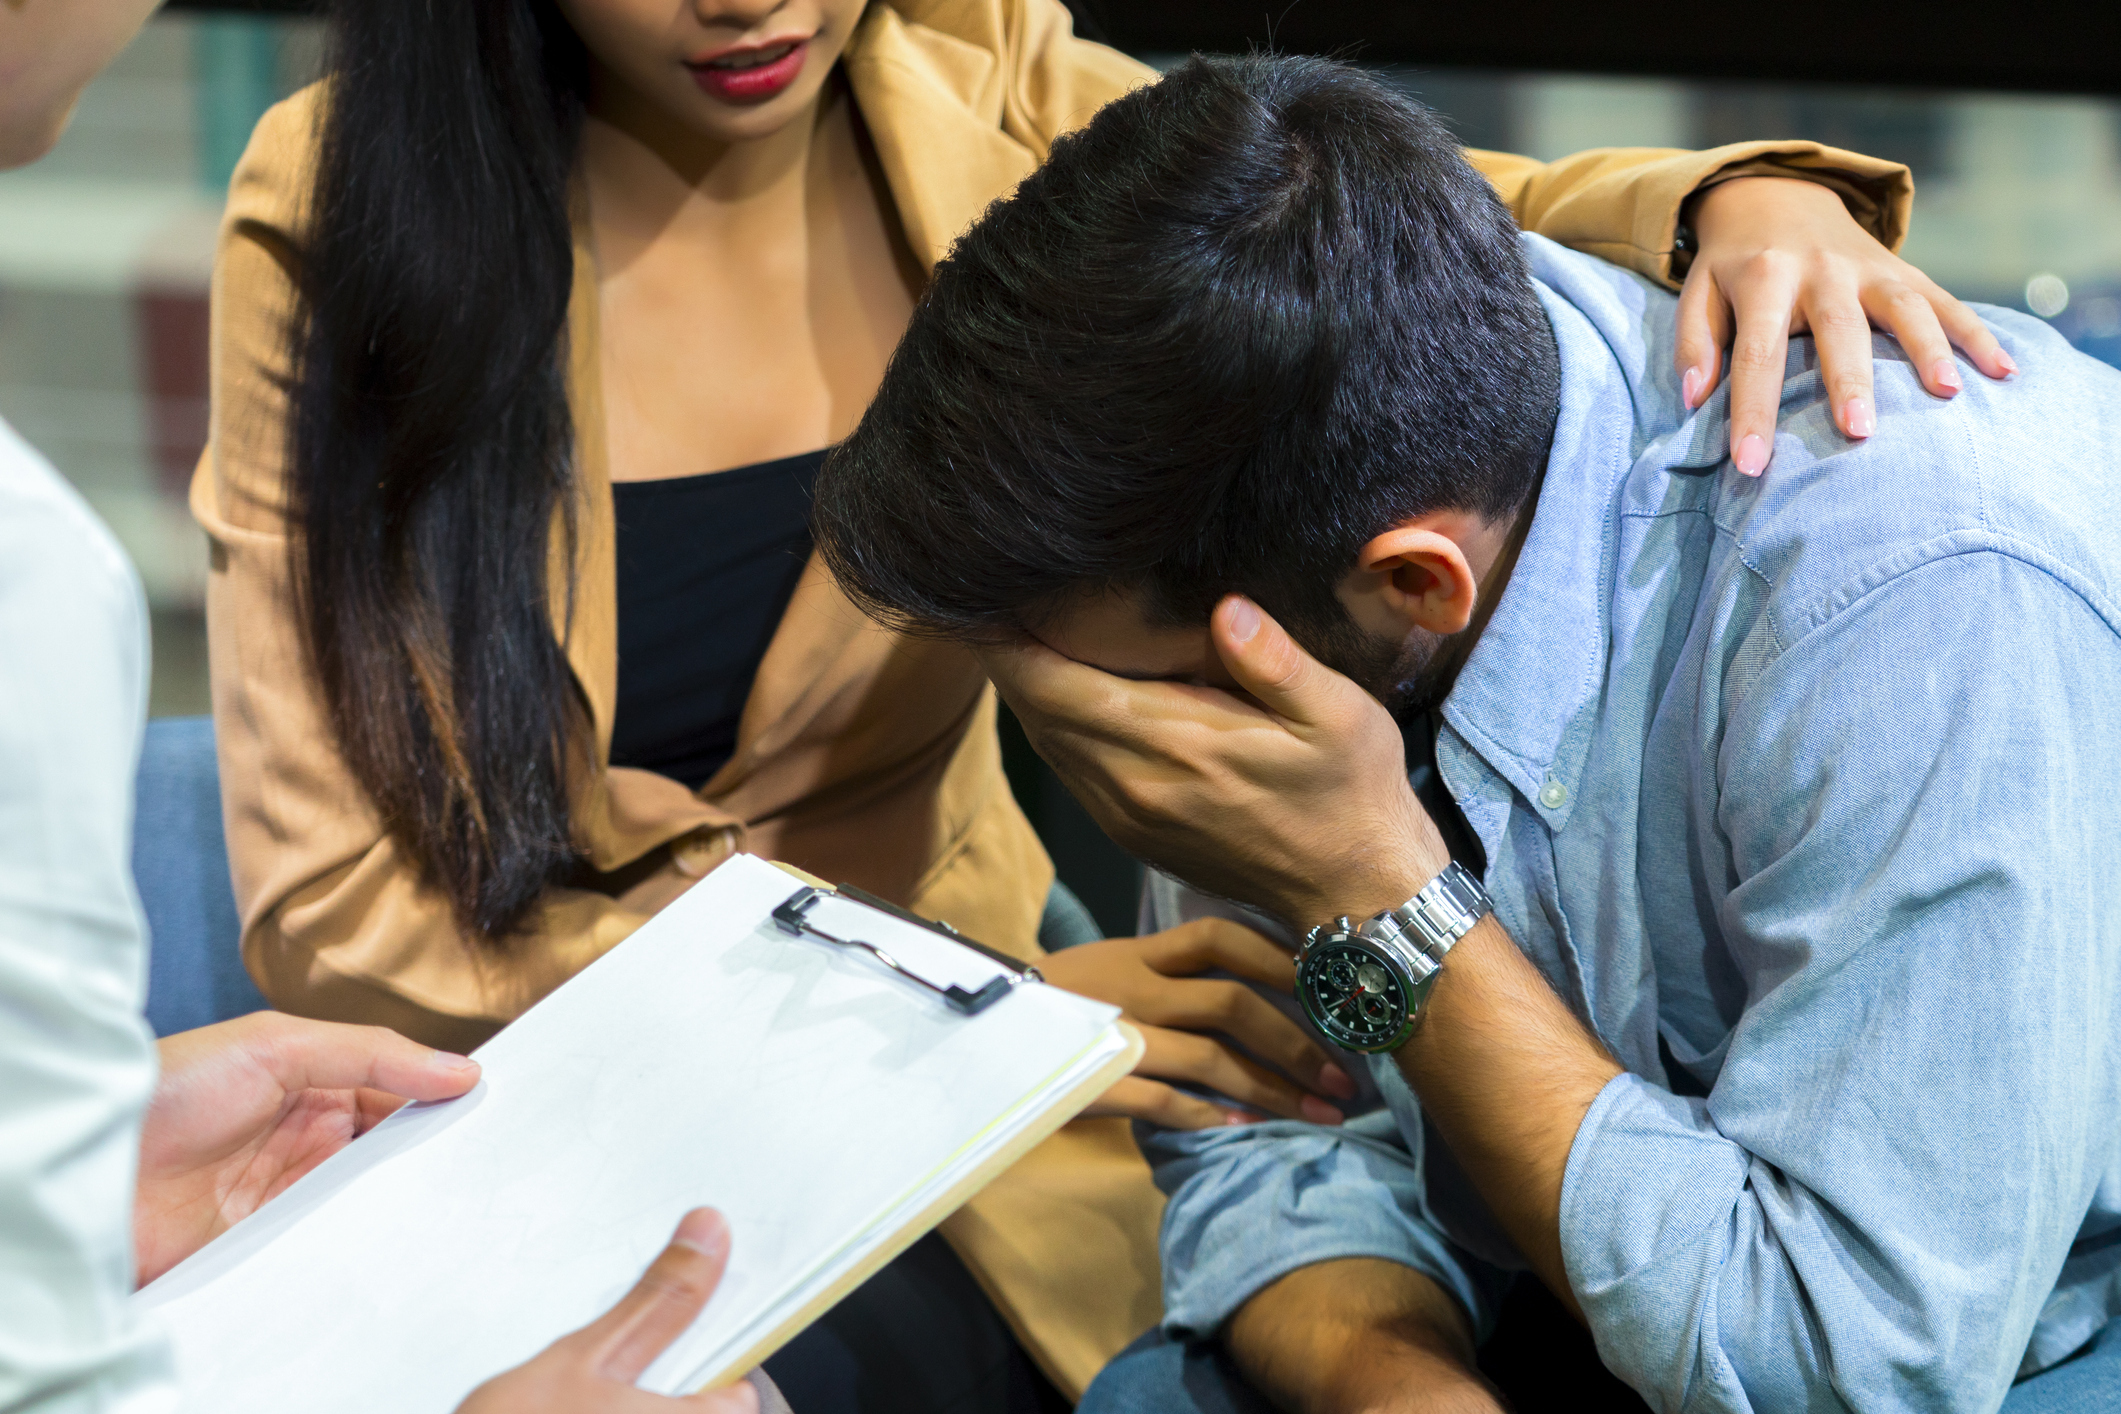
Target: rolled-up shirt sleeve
{"points": [[1251, 1203], [1872, 1204]]}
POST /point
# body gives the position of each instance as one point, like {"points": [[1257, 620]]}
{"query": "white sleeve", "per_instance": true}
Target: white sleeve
{"points": [[1166, 903], [77, 1064]]}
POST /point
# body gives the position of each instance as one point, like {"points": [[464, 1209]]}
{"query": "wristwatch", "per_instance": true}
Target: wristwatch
{"points": [[1363, 984]]}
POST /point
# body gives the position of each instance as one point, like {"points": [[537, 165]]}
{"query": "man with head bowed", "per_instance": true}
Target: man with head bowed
{"points": [[1714, 875]]}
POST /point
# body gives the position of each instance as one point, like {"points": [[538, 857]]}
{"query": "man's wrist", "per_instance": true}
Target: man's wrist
{"points": [[1382, 878]]}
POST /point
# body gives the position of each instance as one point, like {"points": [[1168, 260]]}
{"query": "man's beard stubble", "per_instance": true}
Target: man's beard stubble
{"points": [[1409, 676], [1413, 675]]}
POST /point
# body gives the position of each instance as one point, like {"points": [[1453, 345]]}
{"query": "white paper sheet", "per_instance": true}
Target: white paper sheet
{"points": [[814, 1097]]}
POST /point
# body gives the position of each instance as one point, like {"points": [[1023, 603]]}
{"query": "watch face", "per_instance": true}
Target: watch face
{"points": [[1353, 996]]}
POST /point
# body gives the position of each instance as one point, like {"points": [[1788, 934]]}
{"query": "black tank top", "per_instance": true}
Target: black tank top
{"points": [[707, 565]]}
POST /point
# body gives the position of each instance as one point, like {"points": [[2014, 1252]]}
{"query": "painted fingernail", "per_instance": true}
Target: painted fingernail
{"points": [[1752, 454], [2010, 365], [1234, 1117], [1857, 416], [1336, 1082], [1244, 618], [1318, 1111], [1690, 387], [1946, 374]]}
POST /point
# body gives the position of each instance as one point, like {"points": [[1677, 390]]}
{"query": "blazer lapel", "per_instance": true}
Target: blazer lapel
{"points": [[933, 106], [585, 594]]}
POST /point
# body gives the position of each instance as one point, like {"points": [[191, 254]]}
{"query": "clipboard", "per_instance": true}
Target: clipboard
{"points": [[792, 917], [835, 1074]]}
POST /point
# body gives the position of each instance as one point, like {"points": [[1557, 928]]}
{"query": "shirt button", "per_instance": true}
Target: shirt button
{"points": [[1553, 795]]}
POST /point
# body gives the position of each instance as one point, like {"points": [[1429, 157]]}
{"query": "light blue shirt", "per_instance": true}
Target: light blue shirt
{"points": [[1813, 776]]}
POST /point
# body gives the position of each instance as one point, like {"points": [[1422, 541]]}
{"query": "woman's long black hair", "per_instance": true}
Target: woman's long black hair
{"points": [[433, 490]]}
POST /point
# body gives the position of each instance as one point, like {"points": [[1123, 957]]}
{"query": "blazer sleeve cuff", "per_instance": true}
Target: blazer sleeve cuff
{"points": [[1880, 195]]}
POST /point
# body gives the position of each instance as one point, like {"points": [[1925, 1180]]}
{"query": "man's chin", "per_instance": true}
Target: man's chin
{"points": [[1419, 686], [1403, 674]]}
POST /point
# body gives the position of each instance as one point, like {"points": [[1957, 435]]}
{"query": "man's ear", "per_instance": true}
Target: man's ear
{"points": [[1418, 573]]}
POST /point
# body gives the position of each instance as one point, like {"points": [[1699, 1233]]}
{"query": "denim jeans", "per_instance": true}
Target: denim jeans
{"points": [[2086, 1383], [1156, 1375]]}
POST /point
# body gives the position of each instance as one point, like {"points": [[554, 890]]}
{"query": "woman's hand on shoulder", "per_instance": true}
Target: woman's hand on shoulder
{"points": [[1781, 256], [1190, 1022]]}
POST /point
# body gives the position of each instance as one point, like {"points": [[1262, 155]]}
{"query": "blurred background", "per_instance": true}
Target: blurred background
{"points": [[2009, 118]]}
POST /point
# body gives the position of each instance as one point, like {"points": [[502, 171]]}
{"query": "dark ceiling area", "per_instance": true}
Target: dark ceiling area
{"points": [[2065, 48], [2056, 47]]}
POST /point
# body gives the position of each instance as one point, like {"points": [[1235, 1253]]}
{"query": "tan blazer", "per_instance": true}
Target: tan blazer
{"points": [[861, 756]]}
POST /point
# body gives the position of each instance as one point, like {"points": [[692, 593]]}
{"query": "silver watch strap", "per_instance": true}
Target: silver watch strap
{"points": [[1443, 912]]}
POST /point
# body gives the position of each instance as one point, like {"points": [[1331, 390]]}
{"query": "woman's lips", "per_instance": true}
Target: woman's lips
{"points": [[750, 75]]}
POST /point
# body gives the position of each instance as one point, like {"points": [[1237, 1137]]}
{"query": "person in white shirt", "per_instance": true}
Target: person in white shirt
{"points": [[119, 1157]]}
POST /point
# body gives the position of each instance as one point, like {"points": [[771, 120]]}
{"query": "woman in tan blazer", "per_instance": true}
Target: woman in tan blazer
{"points": [[515, 262]]}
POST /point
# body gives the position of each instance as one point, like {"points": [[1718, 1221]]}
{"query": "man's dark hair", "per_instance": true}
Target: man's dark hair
{"points": [[1248, 318]]}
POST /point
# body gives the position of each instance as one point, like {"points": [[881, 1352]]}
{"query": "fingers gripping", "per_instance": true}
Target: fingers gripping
{"points": [[1218, 942], [1964, 327], [1237, 1011], [1155, 1103], [1927, 322], [1196, 1060], [1909, 318], [596, 1367], [625, 1340], [1766, 303], [1267, 1031], [1234, 1008], [1841, 332], [1704, 328], [302, 1054], [1212, 1065], [743, 1397]]}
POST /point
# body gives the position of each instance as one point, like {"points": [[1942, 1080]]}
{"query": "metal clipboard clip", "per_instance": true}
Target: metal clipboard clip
{"points": [[792, 918]]}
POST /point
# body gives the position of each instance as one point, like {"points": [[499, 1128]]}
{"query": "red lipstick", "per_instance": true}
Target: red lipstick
{"points": [[751, 74]]}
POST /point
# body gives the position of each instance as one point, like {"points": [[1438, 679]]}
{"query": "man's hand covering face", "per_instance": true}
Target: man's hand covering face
{"points": [[1290, 793]]}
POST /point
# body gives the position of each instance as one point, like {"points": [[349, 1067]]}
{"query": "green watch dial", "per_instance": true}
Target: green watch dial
{"points": [[1354, 995]]}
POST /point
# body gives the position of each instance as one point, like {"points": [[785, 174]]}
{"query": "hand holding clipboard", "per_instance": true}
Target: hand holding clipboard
{"points": [[830, 1108]]}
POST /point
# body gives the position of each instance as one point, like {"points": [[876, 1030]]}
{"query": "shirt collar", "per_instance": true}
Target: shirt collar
{"points": [[1526, 699]]}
